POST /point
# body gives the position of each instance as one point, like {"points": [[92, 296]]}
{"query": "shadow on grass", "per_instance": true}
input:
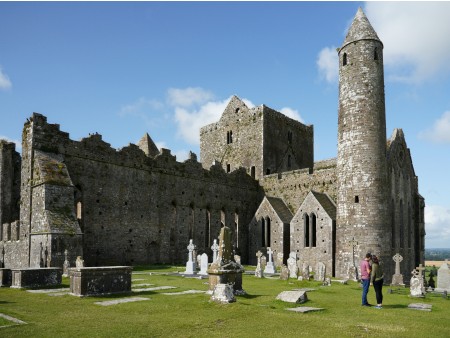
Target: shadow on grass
{"points": [[247, 296]]}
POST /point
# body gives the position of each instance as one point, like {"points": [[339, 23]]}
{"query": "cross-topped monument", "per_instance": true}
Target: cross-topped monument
{"points": [[259, 272], [353, 243], [190, 265], [215, 249], [270, 268], [397, 278]]}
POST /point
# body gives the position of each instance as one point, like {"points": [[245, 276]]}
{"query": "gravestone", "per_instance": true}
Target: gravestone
{"points": [[237, 259], [305, 271], [259, 271], [263, 262], [215, 249], [293, 254], [66, 264], [35, 277], [443, 278], [292, 266], [397, 277], [190, 265], [320, 272], [327, 281], [284, 272], [198, 261], [203, 264], [225, 270], [416, 287], [79, 263], [280, 257], [269, 269], [5, 277]]}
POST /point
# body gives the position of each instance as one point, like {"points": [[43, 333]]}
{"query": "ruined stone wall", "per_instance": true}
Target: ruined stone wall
{"points": [[288, 144], [13, 246], [9, 182], [293, 186], [134, 209], [236, 140], [309, 253], [407, 231]]}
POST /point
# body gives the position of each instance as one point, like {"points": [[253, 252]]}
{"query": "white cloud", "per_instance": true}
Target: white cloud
{"points": [[292, 113], [415, 37], [328, 64], [440, 132], [437, 226], [188, 96], [190, 121], [5, 82]]}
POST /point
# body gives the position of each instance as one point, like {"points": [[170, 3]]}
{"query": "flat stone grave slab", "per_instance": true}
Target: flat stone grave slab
{"points": [[102, 280], [35, 277], [420, 306], [298, 296], [183, 292], [156, 288], [304, 309], [48, 290], [304, 289], [14, 321], [121, 301]]}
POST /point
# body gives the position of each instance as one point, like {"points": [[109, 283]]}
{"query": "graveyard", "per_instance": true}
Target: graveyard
{"points": [[170, 301]]}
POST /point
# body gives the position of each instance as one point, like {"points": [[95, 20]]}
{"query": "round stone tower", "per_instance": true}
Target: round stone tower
{"points": [[362, 190]]}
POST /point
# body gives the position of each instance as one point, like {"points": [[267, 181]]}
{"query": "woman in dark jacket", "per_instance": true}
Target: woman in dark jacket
{"points": [[376, 278]]}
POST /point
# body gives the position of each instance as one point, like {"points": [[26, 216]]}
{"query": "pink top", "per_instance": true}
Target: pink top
{"points": [[364, 267]]}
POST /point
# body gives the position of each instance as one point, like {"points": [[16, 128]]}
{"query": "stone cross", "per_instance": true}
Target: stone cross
{"points": [[397, 259], [215, 249], [353, 244], [420, 268], [269, 267], [190, 265], [259, 272], [66, 264]]}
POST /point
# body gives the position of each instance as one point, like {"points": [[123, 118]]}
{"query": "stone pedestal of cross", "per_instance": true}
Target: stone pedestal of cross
{"points": [[397, 278], [215, 249], [269, 266], [190, 265], [259, 272]]}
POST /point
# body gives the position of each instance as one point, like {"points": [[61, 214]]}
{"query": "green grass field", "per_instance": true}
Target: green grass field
{"points": [[257, 314]]}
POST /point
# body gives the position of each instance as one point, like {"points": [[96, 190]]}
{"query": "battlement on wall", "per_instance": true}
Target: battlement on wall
{"points": [[50, 139]]}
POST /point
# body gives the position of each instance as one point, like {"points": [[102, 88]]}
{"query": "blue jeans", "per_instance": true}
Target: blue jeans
{"points": [[366, 284]]}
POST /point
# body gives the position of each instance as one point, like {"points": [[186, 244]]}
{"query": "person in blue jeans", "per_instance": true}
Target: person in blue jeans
{"points": [[365, 278]]}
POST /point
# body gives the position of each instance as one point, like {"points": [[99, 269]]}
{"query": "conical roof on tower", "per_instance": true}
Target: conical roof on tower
{"points": [[147, 145], [361, 29]]}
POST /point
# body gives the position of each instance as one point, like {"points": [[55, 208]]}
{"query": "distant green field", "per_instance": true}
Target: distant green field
{"points": [[257, 314]]}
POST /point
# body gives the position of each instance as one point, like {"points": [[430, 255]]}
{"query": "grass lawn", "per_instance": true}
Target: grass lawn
{"points": [[257, 314]]}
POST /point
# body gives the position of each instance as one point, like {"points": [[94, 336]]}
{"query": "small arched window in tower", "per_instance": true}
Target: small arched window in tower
{"points": [[228, 137], [356, 199], [253, 171], [228, 168], [344, 59], [268, 171], [231, 136], [375, 54]]}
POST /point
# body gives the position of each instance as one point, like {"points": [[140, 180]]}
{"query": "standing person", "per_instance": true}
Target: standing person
{"points": [[376, 277], [365, 278]]}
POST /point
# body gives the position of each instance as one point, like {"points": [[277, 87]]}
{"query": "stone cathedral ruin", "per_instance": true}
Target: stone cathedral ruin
{"points": [[257, 175]]}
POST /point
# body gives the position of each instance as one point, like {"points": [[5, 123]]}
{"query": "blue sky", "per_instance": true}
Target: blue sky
{"points": [[167, 68]]}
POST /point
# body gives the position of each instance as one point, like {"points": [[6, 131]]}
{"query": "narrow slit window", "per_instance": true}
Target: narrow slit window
{"points": [[356, 199], [344, 59]]}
